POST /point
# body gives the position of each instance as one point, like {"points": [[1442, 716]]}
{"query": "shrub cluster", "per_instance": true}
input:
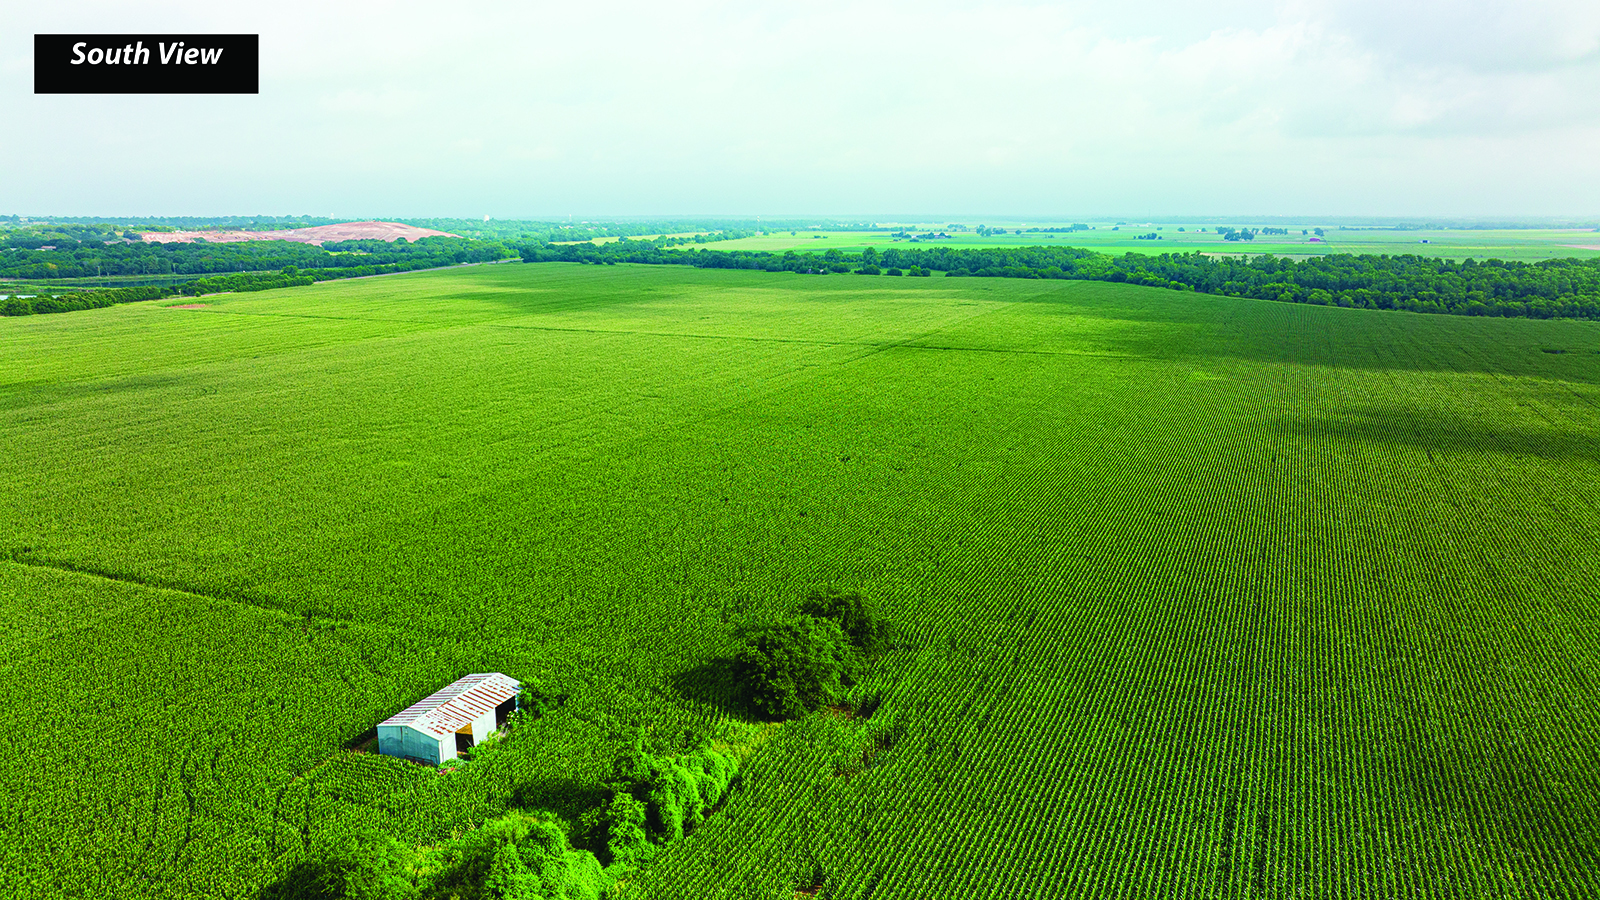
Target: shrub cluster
{"points": [[518, 856], [651, 800], [656, 799]]}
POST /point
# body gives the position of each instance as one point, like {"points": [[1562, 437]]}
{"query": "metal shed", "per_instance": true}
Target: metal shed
{"points": [[451, 720]]}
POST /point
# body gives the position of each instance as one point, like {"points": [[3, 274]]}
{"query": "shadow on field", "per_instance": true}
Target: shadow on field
{"points": [[561, 795], [43, 392], [1373, 426], [308, 880], [713, 683], [1173, 325], [366, 741]]}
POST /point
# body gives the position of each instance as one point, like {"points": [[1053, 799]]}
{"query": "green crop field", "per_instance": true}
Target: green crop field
{"points": [[1527, 245], [1194, 596]]}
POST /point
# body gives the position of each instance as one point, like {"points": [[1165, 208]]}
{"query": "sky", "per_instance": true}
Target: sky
{"points": [[1067, 109]]}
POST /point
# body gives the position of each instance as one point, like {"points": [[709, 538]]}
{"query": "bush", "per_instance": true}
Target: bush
{"points": [[852, 613], [519, 856], [793, 667], [657, 799], [621, 827]]}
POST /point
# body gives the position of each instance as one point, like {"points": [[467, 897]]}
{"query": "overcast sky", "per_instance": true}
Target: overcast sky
{"points": [[1335, 107]]}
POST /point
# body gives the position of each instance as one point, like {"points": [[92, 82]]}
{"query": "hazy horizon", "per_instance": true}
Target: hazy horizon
{"points": [[1574, 223], [1356, 109]]}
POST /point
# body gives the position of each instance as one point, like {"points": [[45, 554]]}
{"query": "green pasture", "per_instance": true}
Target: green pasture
{"points": [[1196, 596], [1511, 244]]}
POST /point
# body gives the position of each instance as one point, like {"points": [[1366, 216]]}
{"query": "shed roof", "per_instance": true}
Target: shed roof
{"points": [[457, 704]]}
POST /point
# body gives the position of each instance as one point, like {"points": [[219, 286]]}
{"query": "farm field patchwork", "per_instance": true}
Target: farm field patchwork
{"points": [[1196, 596], [1526, 245]]}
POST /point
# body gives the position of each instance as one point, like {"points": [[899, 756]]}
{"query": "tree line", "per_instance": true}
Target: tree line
{"points": [[1554, 288], [1558, 288], [289, 276], [22, 255]]}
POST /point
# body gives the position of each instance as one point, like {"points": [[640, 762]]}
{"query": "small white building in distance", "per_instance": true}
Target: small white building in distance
{"points": [[451, 720]]}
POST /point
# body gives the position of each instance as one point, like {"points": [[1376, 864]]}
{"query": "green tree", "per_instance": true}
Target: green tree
{"points": [[852, 612], [793, 667]]}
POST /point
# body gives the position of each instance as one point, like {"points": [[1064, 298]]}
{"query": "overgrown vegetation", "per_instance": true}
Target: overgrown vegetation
{"points": [[650, 800], [517, 856], [654, 799], [520, 855]]}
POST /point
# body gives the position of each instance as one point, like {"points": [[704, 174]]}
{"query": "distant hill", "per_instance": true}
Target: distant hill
{"points": [[344, 231]]}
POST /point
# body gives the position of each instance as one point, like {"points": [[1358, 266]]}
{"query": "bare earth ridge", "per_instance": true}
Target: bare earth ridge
{"points": [[344, 231]]}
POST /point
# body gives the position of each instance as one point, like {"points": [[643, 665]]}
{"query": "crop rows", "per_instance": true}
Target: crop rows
{"points": [[1219, 600]]}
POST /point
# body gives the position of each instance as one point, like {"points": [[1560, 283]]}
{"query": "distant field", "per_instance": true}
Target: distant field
{"points": [[641, 237], [1518, 244], [1198, 596]]}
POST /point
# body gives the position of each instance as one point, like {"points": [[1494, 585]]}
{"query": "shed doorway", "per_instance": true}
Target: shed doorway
{"points": [[464, 738]]}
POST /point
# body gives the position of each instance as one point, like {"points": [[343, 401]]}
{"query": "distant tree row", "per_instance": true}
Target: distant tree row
{"points": [[522, 230], [22, 256], [1566, 288], [289, 276]]}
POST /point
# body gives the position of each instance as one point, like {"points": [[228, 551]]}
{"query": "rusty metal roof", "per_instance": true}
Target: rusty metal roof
{"points": [[456, 705]]}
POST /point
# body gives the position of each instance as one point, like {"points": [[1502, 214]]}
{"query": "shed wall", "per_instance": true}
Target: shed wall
{"points": [[429, 749], [392, 740], [483, 726]]}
